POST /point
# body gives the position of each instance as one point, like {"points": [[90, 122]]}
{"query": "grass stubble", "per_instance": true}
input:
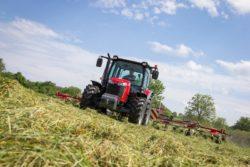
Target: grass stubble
{"points": [[37, 130]]}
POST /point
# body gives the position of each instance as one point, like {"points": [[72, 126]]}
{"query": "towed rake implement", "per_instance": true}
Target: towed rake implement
{"points": [[191, 127]]}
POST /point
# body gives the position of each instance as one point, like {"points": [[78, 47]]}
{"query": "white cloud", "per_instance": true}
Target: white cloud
{"points": [[110, 3], [127, 12], [42, 54], [142, 10], [139, 16], [136, 15], [160, 48], [224, 15], [180, 50], [183, 50], [240, 6], [28, 28], [209, 5], [157, 10], [241, 68], [167, 6], [198, 67]]}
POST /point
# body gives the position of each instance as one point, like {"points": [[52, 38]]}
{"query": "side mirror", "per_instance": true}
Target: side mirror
{"points": [[155, 74], [99, 62]]}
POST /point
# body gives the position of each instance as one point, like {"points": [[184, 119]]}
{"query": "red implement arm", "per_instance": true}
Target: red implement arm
{"points": [[64, 96], [214, 131]]}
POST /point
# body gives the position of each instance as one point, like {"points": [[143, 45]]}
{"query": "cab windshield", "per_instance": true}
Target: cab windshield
{"points": [[125, 70]]}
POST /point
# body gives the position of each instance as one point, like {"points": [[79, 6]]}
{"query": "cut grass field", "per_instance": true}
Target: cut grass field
{"points": [[36, 130]]}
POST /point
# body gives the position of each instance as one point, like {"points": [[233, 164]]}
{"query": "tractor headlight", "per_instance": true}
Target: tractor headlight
{"points": [[119, 83], [122, 84]]}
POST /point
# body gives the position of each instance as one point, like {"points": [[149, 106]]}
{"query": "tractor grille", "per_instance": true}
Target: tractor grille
{"points": [[115, 89]]}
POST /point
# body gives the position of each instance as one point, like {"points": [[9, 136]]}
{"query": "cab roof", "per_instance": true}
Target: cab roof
{"points": [[144, 64]]}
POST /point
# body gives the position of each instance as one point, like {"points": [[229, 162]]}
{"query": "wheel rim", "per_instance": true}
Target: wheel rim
{"points": [[147, 118], [141, 118], [142, 113]]}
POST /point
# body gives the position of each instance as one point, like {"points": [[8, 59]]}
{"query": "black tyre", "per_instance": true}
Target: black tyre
{"points": [[218, 140], [90, 97], [102, 111], [147, 114], [188, 133], [137, 106]]}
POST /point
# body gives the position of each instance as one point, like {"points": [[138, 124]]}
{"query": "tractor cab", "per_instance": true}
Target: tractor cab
{"points": [[123, 82], [132, 72], [137, 74]]}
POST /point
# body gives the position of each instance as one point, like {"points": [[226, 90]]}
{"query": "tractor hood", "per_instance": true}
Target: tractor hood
{"points": [[122, 87]]}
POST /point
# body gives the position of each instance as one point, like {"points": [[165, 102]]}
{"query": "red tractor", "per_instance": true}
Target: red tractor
{"points": [[124, 89]]}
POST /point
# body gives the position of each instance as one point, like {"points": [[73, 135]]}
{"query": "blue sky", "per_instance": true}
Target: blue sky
{"points": [[199, 45]]}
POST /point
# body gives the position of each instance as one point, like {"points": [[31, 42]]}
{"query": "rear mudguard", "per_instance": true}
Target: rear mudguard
{"points": [[148, 96]]}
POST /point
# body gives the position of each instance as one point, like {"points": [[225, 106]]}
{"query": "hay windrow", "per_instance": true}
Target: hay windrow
{"points": [[36, 130]]}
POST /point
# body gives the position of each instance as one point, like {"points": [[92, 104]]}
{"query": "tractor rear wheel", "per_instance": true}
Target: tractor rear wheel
{"points": [[147, 114], [137, 106], [89, 97]]}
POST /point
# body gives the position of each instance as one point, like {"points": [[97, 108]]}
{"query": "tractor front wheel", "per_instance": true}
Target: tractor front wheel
{"points": [[137, 106], [89, 97]]}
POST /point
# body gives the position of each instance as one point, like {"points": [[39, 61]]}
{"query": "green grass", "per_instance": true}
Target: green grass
{"points": [[36, 130]]}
